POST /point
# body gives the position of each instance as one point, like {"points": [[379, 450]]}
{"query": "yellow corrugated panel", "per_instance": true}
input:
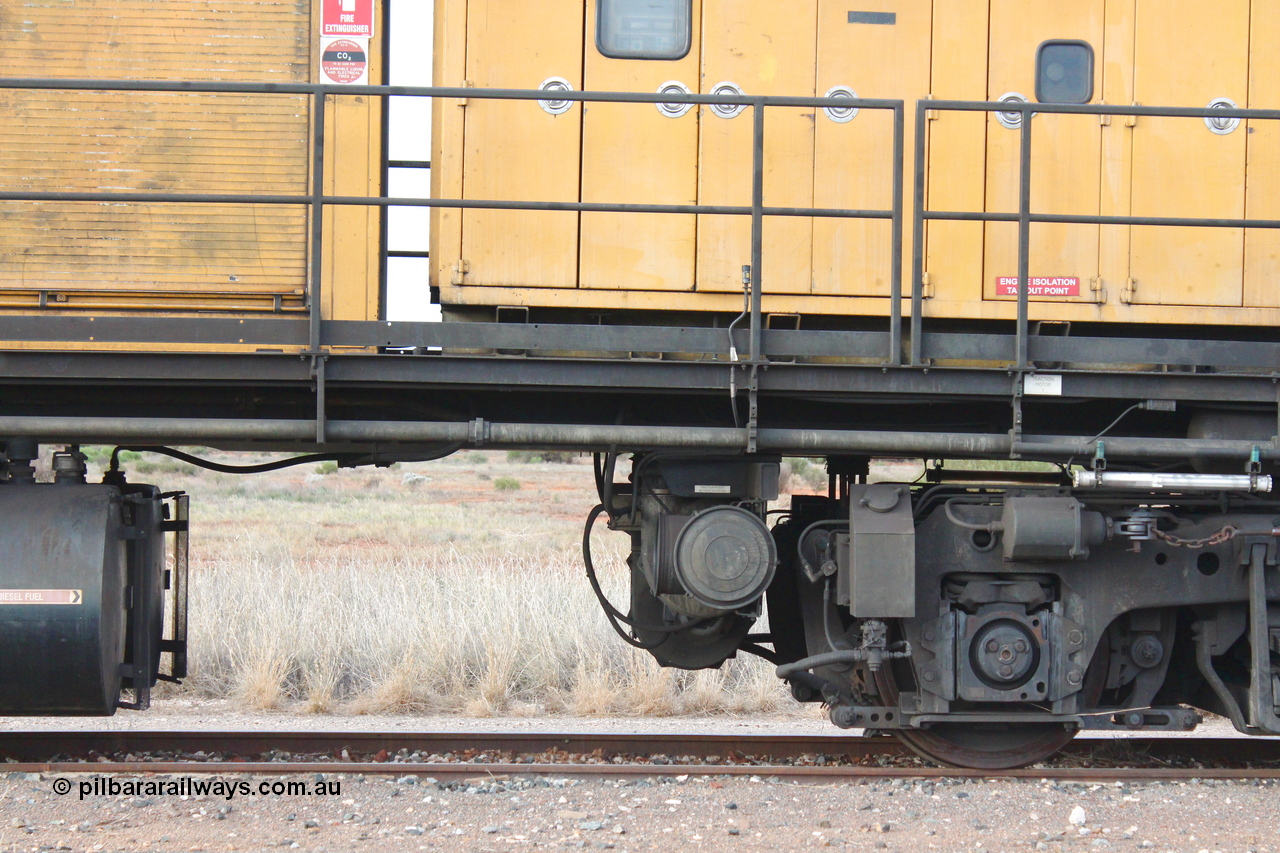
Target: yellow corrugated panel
{"points": [[201, 143]]}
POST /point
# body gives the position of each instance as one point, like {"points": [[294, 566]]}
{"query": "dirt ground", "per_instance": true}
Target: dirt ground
{"points": [[373, 813]]}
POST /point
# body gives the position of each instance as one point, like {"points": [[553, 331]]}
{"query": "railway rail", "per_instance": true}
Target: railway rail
{"points": [[450, 758]]}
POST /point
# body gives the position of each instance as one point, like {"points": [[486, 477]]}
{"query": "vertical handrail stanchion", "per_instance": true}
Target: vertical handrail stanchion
{"points": [[1024, 235], [757, 261], [316, 204], [895, 252], [917, 247], [757, 225]]}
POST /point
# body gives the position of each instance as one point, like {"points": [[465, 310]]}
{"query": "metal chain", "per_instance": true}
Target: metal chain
{"points": [[1226, 534]]}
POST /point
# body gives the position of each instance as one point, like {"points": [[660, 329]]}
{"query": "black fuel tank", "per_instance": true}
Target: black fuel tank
{"points": [[63, 588]]}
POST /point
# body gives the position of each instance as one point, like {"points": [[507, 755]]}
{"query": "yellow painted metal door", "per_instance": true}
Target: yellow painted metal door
{"points": [[957, 152], [1187, 56], [880, 51], [516, 150], [765, 48], [1066, 155], [638, 154], [1262, 246]]}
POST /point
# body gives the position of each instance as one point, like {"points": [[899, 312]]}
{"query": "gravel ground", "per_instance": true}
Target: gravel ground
{"points": [[408, 814], [386, 813]]}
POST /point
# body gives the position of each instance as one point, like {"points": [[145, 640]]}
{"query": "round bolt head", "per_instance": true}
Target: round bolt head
{"points": [[930, 676], [1006, 670], [1074, 677], [1134, 720], [929, 636], [992, 646], [1075, 636], [1020, 646]]}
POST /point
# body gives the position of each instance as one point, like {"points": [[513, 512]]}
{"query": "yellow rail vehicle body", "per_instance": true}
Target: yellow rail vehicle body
{"points": [[172, 258], [1124, 52]]}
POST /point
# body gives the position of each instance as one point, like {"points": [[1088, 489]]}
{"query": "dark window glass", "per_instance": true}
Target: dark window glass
{"points": [[1064, 72], [643, 29]]}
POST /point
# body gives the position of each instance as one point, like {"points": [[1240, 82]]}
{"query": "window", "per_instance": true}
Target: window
{"points": [[644, 29], [1064, 72]]}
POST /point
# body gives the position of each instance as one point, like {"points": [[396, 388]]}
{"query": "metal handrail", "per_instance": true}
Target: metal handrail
{"points": [[316, 199], [1025, 216]]}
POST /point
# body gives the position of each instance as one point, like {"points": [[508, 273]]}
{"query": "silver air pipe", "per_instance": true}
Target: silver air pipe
{"points": [[1172, 482]]}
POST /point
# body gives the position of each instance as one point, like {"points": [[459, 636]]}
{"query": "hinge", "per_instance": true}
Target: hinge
{"points": [[466, 84], [460, 270], [1104, 120], [926, 286], [1126, 295], [1131, 121], [931, 115], [1095, 285]]}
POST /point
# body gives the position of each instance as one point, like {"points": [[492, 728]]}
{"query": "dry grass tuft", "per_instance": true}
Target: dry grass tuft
{"points": [[423, 589]]}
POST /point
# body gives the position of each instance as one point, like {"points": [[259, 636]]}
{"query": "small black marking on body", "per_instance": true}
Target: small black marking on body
{"points": [[873, 18]]}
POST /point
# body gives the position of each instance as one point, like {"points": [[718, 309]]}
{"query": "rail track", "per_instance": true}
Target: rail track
{"points": [[453, 757]]}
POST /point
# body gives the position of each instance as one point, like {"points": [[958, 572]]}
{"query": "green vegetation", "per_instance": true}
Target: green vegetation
{"points": [[507, 484]]}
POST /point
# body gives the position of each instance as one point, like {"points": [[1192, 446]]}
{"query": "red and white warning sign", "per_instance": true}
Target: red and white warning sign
{"points": [[1040, 286], [347, 18], [345, 61], [41, 596]]}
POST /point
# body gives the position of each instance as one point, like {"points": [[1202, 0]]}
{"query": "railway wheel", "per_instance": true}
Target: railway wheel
{"points": [[988, 746]]}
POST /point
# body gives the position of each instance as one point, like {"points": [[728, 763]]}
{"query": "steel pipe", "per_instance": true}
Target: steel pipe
{"points": [[1172, 482], [480, 433]]}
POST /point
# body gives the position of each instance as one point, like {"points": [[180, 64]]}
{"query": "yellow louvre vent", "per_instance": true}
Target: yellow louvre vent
{"points": [[102, 254]]}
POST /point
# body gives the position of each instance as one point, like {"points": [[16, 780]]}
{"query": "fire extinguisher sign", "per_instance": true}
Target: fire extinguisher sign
{"points": [[347, 18]]}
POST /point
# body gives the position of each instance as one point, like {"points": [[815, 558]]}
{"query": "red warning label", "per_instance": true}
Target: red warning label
{"points": [[41, 596], [347, 18], [1046, 286], [344, 61]]}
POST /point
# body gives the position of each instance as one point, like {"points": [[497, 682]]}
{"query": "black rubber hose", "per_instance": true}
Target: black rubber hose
{"points": [[227, 469], [350, 458], [612, 613], [826, 659]]}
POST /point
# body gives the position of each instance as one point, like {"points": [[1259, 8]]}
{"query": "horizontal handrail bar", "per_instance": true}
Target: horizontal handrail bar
{"points": [[1090, 219], [1097, 109], [184, 86], [470, 204]]}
